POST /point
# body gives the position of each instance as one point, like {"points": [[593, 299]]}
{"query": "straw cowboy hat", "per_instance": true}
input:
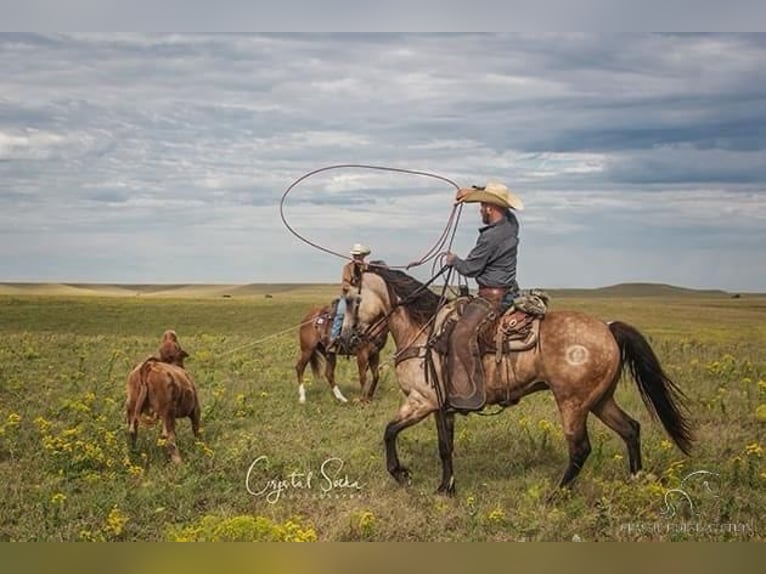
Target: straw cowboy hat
{"points": [[494, 192], [359, 249]]}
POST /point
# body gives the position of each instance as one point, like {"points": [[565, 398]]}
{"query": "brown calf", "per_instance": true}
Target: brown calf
{"points": [[165, 391], [170, 350]]}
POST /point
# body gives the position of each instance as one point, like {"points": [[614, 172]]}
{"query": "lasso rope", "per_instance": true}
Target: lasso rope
{"points": [[430, 254], [434, 254], [266, 338]]}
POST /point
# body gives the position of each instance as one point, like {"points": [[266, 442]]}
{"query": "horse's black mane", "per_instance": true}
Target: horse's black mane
{"points": [[423, 302]]}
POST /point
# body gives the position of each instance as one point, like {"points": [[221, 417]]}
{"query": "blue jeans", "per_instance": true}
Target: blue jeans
{"points": [[507, 301], [337, 321]]}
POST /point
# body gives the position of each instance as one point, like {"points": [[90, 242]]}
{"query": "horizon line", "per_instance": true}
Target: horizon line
{"points": [[330, 283]]}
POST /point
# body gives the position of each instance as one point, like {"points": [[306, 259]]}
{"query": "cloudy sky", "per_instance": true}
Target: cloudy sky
{"points": [[163, 158]]}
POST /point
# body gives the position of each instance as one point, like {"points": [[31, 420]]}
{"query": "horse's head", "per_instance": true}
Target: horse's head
{"points": [[383, 291], [366, 308]]}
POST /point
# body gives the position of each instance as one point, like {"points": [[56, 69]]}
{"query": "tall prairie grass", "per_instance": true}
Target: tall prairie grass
{"points": [[268, 468]]}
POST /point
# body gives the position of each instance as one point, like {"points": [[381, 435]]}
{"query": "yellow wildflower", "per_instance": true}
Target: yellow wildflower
{"points": [[754, 449], [115, 522], [205, 449], [58, 499], [544, 425], [496, 515]]}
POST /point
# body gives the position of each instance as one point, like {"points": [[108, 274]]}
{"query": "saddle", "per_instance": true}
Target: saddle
{"points": [[323, 321], [480, 332], [323, 325], [517, 329]]}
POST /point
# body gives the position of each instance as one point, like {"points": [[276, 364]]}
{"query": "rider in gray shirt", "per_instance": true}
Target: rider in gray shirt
{"points": [[492, 262]]}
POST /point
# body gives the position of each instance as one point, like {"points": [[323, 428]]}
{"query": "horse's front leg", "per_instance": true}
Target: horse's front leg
{"points": [[400, 473], [329, 373], [411, 412], [445, 427]]}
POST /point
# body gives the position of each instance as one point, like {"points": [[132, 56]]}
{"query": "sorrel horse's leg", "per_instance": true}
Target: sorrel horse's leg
{"points": [[414, 410], [625, 426], [374, 366], [300, 368], [445, 427], [362, 360], [329, 372]]}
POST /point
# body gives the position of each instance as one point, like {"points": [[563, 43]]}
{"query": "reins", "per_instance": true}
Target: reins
{"points": [[411, 297]]}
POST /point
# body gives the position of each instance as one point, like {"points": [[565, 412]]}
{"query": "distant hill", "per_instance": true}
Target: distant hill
{"points": [[191, 290], [640, 290]]}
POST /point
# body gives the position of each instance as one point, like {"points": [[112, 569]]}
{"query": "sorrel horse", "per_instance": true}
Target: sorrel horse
{"points": [[579, 359], [314, 337]]}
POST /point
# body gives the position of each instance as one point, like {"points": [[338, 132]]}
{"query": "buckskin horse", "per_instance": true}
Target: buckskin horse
{"points": [[314, 335], [578, 358]]}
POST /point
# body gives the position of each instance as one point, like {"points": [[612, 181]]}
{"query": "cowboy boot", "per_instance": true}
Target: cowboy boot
{"points": [[465, 380]]}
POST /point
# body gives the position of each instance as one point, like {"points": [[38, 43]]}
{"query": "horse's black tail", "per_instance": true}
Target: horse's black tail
{"points": [[662, 397]]}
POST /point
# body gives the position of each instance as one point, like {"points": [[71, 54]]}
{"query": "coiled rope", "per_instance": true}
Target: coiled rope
{"points": [[431, 254], [446, 236]]}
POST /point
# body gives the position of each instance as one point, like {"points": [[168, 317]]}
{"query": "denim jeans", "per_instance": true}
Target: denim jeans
{"points": [[507, 301], [337, 321]]}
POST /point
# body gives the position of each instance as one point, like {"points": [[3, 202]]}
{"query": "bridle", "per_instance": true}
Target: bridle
{"points": [[377, 324], [406, 352]]}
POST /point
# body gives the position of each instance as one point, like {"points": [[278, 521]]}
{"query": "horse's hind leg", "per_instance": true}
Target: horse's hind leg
{"points": [[625, 426], [300, 368], [574, 419]]}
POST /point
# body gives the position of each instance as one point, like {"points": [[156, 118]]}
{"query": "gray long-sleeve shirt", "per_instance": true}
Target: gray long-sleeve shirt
{"points": [[492, 261]]}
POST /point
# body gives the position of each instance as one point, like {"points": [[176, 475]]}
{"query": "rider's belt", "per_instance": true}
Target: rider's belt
{"points": [[493, 292]]}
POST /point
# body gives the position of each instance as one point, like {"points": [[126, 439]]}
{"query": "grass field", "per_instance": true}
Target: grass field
{"points": [[66, 472]]}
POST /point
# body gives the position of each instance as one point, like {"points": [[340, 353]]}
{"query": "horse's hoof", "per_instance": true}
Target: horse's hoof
{"points": [[557, 495], [446, 490], [339, 395], [402, 476]]}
